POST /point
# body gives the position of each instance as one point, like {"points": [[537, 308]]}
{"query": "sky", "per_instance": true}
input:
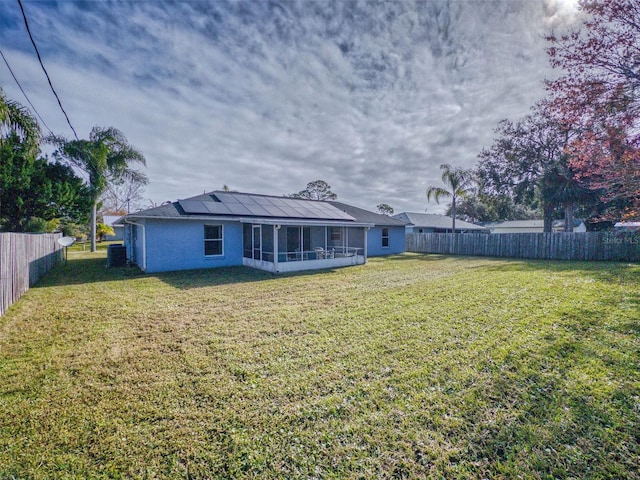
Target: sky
{"points": [[264, 97]]}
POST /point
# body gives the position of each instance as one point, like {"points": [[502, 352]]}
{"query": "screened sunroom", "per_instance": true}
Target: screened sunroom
{"points": [[279, 247]]}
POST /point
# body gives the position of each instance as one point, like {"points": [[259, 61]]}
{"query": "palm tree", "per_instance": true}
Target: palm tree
{"points": [[17, 128], [459, 182], [14, 118], [105, 157]]}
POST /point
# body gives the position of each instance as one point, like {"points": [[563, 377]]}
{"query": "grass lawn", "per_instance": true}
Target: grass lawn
{"points": [[414, 366]]}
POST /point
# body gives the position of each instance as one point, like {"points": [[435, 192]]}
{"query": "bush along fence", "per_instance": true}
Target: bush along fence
{"points": [[24, 259], [608, 246]]}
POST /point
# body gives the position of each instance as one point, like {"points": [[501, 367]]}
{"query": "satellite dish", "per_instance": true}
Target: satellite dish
{"points": [[66, 241]]}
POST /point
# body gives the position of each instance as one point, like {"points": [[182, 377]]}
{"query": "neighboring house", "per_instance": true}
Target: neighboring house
{"points": [[432, 223], [627, 227], [276, 234], [117, 229], [531, 226]]}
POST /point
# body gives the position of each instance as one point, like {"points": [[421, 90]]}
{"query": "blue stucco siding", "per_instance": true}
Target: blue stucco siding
{"points": [[396, 241], [118, 231], [179, 245]]}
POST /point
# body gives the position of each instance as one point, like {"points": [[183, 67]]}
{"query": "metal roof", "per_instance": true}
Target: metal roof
{"points": [[363, 215], [432, 220], [528, 223]]}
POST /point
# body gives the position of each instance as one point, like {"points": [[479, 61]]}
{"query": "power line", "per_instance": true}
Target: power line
{"points": [[24, 93], [26, 24]]}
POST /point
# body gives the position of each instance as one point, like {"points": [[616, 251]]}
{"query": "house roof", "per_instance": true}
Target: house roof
{"points": [[528, 224], [431, 220], [110, 220], [367, 216], [250, 207]]}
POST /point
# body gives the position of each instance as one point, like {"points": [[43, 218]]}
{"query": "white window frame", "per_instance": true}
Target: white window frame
{"points": [[385, 236], [221, 239]]}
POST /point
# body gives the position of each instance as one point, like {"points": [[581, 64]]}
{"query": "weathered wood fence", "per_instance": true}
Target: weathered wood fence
{"points": [[24, 258], [615, 246]]}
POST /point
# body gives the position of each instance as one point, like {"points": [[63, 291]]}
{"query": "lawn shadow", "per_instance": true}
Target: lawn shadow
{"points": [[554, 402], [188, 279], [79, 271], [599, 269]]}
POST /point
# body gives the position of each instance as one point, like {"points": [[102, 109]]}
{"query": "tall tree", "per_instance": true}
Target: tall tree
{"points": [[316, 190], [528, 162], [598, 95], [385, 209], [482, 207], [19, 141], [106, 157], [33, 191], [459, 183], [16, 120]]}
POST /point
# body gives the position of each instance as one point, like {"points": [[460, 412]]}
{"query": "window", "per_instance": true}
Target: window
{"points": [[385, 237], [212, 240], [336, 234]]}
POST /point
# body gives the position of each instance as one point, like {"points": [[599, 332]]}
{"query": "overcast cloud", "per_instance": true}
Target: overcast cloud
{"points": [[267, 96]]}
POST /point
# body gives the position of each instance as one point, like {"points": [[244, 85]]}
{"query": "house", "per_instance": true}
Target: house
{"points": [[627, 227], [531, 226], [433, 223], [386, 237], [276, 234], [117, 228]]}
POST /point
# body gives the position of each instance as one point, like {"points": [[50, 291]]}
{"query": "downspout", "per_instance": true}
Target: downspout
{"points": [[366, 232], [143, 267], [276, 240]]}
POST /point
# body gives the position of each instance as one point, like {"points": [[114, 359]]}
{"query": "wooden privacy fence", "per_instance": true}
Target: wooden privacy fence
{"points": [[24, 259], [615, 246]]}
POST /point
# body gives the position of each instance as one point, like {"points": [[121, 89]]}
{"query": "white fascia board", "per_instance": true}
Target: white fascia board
{"points": [[310, 223], [254, 220]]}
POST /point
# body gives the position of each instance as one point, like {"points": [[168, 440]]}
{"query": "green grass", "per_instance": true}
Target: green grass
{"points": [[414, 366]]}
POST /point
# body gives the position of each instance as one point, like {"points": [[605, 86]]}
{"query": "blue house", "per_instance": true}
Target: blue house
{"points": [[386, 237], [276, 234], [118, 230]]}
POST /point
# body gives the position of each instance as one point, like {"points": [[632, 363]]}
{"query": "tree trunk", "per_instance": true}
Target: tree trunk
{"points": [[568, 217], [94, 214], [548, 218], [453, 214]]}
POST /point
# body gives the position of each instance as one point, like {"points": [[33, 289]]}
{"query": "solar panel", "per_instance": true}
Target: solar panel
{"points": [[238, 209], [258, 210], [223, 197], [261, 200], [305, 212], [256, 205], [289, 211], [279, 202], [217, 207], [193, 206], [274, 211], [245, 199]]}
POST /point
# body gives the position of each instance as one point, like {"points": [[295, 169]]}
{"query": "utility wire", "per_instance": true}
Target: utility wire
{"points": [[24, 93], [26, 23]]}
